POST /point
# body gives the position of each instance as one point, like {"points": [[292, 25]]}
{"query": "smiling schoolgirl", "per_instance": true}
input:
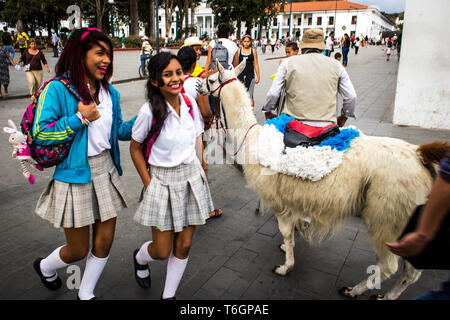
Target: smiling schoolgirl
{"points": [[177, 196], [86, 188]]}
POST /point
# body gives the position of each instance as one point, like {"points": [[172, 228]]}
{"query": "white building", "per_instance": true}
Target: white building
{"points": [[423, 94], [340, 16]]}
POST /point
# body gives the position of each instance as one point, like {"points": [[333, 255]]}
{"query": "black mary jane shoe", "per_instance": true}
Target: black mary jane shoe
{"points": [[51, 285], [146, 282]]}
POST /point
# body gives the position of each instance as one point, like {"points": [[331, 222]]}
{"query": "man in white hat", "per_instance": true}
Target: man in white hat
{"points": [[312, 82], [196, 44], [146, 52]]}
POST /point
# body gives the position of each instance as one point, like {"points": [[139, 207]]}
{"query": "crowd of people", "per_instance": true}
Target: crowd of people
{"points": [[165, 139]]}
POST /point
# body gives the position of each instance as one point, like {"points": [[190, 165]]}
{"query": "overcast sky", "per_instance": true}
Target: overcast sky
{"points": [[389, 6]]}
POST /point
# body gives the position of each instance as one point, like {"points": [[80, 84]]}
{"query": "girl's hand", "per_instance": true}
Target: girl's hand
{"points": [[89, 110], [47, 69], [257, 80]]}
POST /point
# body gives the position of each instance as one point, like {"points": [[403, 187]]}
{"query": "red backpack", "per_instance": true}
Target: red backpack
{"points": [[149, 141]]}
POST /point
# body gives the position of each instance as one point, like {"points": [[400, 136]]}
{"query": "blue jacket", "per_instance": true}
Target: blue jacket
{"points": [[56, 103]]}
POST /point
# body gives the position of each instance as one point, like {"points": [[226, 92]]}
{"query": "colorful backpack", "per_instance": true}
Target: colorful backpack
{"points": [[45, 155], [149, 141]]}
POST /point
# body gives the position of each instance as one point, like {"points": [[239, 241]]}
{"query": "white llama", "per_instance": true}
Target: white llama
{"points": [[381, 179]]}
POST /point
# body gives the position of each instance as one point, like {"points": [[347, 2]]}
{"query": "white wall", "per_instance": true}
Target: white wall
{"points": [[423, 91]]}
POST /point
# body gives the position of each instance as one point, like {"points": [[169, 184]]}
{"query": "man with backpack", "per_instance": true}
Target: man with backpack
{"points": [[22, 40], [222, 49], [7, 39]]}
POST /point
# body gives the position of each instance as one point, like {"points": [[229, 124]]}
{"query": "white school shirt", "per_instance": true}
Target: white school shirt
{"points": [[176, 142], [99, 131]]}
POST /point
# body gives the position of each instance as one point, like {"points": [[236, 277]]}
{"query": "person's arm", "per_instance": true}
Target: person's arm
{"points": [[431, 217], [44, 61], [205, 110], [139, 162], [273, 95], [208, 60], [10, 59], [236, 59], [256, 66], [348, 93]]}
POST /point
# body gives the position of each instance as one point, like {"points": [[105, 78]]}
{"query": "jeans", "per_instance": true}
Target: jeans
{"points": [[443, 294], [143, 58], [345, 56]]}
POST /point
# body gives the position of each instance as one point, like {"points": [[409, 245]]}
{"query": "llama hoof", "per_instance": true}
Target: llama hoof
{"points": [[283, 247], [377, 297], [345, 292], [280, 270], [31, 179]]}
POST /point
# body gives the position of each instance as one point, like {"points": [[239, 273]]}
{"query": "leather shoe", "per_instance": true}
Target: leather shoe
{"points": [[146, 282], [52, 285]]}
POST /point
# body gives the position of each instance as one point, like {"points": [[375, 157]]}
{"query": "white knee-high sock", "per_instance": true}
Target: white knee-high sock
{"points": [[143, 257], [92, 272], [53, 262], [175, 271]]}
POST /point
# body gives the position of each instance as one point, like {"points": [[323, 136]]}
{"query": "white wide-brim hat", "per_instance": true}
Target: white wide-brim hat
{"points": [[192, 41]]}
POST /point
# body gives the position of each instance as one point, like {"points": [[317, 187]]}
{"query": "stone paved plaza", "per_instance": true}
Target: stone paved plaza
{"points": [[232, 256]]}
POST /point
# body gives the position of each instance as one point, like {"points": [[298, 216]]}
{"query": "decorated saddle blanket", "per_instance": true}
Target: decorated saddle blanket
{"points": [[307, 162]]}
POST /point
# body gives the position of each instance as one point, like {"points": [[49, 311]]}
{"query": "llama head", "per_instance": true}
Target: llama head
{"points": [[211, 84]]}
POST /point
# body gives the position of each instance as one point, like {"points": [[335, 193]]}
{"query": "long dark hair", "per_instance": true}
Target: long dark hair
{"points": [[73, 55], [156, 66]]}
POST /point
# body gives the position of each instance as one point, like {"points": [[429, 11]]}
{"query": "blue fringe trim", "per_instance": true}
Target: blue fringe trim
{"points": [[280, 122], [341, 141]]}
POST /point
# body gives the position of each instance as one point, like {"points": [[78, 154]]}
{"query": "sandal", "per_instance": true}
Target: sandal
{"points": [[216, 213]]}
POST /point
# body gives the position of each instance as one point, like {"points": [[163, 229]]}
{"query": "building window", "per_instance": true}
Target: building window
{"points": [[299, 22], [319, 21], [330, 20], [173, 31], [309, 21], [159, 18], [289, 22], [354, 19], [275, 21]]}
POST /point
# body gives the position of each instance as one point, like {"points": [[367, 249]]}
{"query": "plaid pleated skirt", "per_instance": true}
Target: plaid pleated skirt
{"points": [[75, 205], [176, 197]]}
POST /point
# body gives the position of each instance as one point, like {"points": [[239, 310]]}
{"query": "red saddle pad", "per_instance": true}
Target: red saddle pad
{"points": [[309, 131]]}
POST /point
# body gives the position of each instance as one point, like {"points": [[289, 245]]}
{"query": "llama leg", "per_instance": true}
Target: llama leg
{"points": [[287, 231], [409, 276], [385, 267], [35, 165]]}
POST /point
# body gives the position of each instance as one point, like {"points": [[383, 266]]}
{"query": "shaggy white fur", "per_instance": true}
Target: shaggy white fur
{"points": [[381, 179], [311, 163]]}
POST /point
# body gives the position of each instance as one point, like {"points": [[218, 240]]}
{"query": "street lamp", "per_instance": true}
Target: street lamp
{"points": [[111, 2]]}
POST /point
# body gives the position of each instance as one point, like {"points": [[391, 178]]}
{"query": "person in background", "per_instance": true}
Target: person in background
{"points": [[247, 76], [8, 39], [337, 56], [146, 52], [345, 49], [196, 44], [33, 58], [55, 40], [5, 60], [22, 40], [329, 44], [357, 44]]}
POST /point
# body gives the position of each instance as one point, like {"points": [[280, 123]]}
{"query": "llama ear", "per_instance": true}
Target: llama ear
{"points": [[240, 67], [219, 66], [12, 125]]}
